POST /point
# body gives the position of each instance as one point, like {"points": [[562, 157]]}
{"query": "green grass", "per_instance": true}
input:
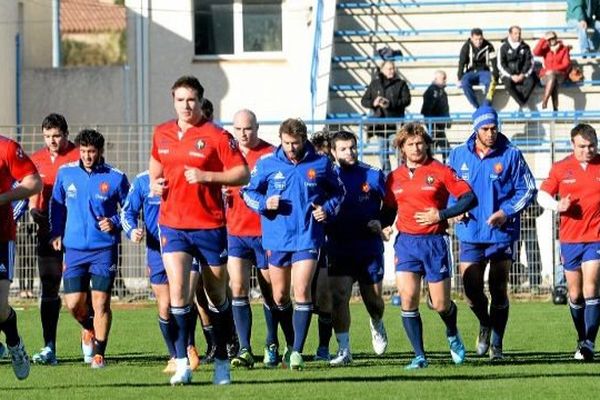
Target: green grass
{"points": [[540, 342]]}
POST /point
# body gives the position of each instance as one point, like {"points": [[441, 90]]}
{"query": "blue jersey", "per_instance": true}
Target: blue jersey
{"points": [[80, 199], [348, 233], [140, 199], [312, 180], [501, 181]]}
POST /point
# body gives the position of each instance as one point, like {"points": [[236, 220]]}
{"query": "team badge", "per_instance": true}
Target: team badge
{"points": [[104, 187], [498, 168], [365, 187], [200, 144], [311, 174], [430, 179], [233, 143], [20, 153]]}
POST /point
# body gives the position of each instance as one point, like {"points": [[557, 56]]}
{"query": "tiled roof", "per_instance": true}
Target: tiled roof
{"points": [[91, 16]]}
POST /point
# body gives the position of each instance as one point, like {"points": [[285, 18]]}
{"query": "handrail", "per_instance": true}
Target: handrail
{"points": [[314, 67], [452, 31], [429, 57], [362, 87], [416, 4], [357, 118]]}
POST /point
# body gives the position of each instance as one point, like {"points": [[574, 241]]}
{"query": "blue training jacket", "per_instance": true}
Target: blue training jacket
{"points": [[501, 181], [80, 199], [348, 234], [313, 180], [140, 199]]}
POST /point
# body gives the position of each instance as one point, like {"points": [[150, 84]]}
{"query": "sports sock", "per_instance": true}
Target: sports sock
{"points": [[9, 327], [271, 323], [499, 320], [242, 317], [578, 315], [449, 318], [165, 326], [411, 319], [181, 330], [325, 329], [49, 313], [592, 318], [284, 314], [301, 323]]}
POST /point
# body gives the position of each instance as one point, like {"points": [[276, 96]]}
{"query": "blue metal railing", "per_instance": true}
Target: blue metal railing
{"points": [[429, 57], [314, 67], [416, 4], [443, 31], [413, 86], [358, 118]]}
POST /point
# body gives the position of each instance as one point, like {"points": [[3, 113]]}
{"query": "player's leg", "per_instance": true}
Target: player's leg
{"points": [[341, 290], [590, 268], [323, 309], [472, 269], [370, 277], [207, 327], [239, 282], [192, 353], [409, 286], [271, 353], [281, 276], [499, 307]]}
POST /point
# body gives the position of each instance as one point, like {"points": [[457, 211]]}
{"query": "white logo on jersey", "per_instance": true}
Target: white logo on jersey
{"points": [[279, 175], [508, 251], [72, 191], [464, 167], [443, 270], [2, 268]]}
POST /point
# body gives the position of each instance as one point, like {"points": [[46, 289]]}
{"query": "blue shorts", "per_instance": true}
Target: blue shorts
{"points": [[156, 268], [7, 260], [367, 269], [427, 255], [287, 258], [82, 265], [248, 248], [573, 255], [484, 252], [208, 246]]}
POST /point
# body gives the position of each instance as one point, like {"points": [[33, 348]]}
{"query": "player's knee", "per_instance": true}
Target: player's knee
{"points": [[50, 285]]}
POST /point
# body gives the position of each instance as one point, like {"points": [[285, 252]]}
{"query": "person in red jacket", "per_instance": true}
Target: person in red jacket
{"points": [[557, 62]]}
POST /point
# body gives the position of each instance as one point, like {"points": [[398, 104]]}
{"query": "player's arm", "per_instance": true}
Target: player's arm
{"points": [[389, 209], [255, 192], [121, 195], [158, 184], [234, 176], [58, 213], [548, 191], [335, 190], [130, 212], [27, 187], [524, 189]]}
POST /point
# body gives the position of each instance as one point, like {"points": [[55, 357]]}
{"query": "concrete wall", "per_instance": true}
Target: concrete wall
{"points": [[9, 13], [37, 33]]}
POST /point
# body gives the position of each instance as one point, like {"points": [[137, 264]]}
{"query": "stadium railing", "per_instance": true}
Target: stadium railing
{"points": [[422, 3]]}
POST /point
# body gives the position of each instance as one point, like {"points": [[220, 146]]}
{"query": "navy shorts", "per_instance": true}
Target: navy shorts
{"points": [[81, 266], [156, 267], [367, 269], [248, 248], [287, 258], [7, 260], [484, 252], [427, 255], [208, 246], [573, 255]]}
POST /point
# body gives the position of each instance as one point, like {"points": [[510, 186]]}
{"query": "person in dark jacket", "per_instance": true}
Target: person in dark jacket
{"points": [[435, 104], [477, 66], [515, 64], [387, 96]]}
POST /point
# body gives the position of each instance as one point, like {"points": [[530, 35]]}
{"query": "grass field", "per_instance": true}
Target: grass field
{"points": [[540, 343]]}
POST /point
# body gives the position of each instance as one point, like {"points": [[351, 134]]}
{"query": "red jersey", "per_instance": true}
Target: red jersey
{"points": [[429, 186], [206, 147], [241, 220], [14, 166], [581, 222], [48, 169]]}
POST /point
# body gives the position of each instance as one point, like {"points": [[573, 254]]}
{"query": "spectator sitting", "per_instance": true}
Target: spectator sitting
{"points": [[584, 14], [557, 62], [477, 66], [435, 104], [387, 96], [515, 63]]}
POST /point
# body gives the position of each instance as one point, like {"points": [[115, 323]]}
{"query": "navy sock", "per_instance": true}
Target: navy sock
{"points": [[165, 326], [414, 330], [301, 323], [449, 318], [222, 326], [209, 336], [9, 327], [49, 313], [284, 314], [99, 347], [592, 318], [325, 329], [242, 317], [271, 323], [480, 309], [192, 322], [181, 330], [499, 319], [578, 316]]}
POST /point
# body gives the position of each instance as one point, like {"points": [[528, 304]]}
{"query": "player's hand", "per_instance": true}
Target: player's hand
{"points": [[105, 224], [460, 218], [318, 212], [497, 219], [374, 226], [159, 186], [56, 243], [137, 235], [195, 175], [430, 216], [386, 233], [564, 203], [273, 202]]}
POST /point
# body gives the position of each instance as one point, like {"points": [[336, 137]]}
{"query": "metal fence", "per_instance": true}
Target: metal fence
{"points": [[542, 140]]}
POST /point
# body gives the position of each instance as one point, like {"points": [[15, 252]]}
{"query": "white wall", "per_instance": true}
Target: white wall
{"points": [[8, 30]]}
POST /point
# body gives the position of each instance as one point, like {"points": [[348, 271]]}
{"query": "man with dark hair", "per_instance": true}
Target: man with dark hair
{"points": [[191, 160], [58, 150], [15, 166], [575, 181], [515, 64], [477, 66], [295, 191], [355, 246], [504, 186], [85, 221]]}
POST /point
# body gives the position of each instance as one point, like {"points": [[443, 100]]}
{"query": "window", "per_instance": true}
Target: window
{"points": [[225, 27]]}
